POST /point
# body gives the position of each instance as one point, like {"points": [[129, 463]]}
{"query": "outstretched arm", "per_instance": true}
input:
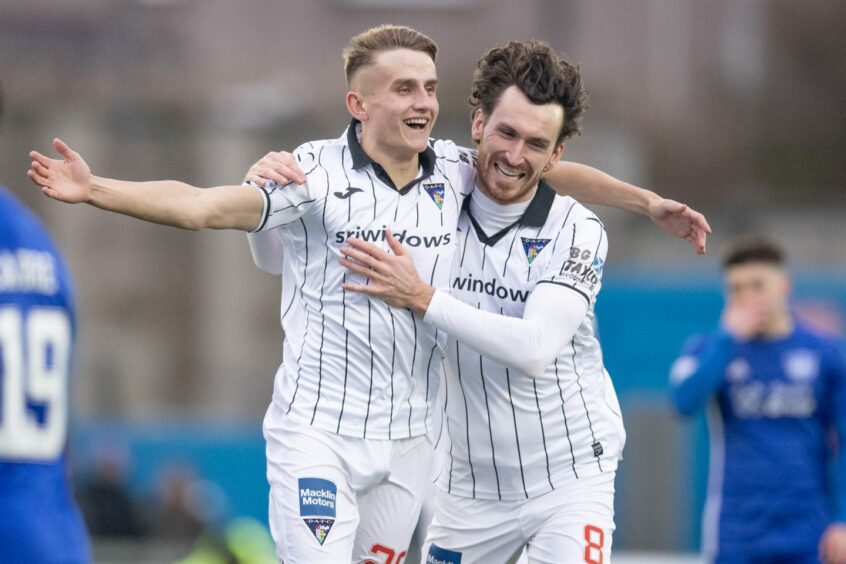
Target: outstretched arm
{"points": [[167, 202], [591, 186]]}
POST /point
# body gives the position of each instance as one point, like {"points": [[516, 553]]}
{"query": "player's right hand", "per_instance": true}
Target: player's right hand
{"points": [[682, 221], [68, 180], [278, 167]]}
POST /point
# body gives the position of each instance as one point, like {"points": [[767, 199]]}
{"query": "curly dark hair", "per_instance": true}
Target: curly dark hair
{"points": [[534, 68], [753, 248]]}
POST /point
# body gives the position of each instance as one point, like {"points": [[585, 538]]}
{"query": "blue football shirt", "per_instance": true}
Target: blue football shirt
{"points": [[39, 520], [777, 406]]}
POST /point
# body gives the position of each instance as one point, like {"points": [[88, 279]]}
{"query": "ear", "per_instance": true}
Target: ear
{"points": [[356, 106], [478, 126], [554, 158]]}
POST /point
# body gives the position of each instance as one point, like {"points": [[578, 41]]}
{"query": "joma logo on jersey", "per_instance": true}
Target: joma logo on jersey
{"points": [[533, 247], [349, 192], [377, 235], [317, 506], [436, 192], [491, 288]]}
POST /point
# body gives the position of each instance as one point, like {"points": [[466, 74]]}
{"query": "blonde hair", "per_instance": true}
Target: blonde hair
{"points": [[364, 47]]}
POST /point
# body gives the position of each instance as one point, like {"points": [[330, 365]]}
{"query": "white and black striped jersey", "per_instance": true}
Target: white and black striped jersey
{"points": [[352, 365], [513, 436]]}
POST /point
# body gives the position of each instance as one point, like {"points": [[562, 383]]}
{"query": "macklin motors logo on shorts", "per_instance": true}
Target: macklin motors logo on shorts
{"points": [[317, 506], [438, 555]]}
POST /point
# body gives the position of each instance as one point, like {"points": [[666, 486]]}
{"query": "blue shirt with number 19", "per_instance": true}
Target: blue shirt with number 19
{"points": [[39, 521]]}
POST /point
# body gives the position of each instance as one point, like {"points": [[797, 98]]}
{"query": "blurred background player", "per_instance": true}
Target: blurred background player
{"points": [[39, 520], [777, 395]]}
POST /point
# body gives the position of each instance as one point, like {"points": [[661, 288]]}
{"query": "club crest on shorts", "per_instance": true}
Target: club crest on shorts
{"points": [[533, 247], [438, 555], [436, 192], [317, 505]]}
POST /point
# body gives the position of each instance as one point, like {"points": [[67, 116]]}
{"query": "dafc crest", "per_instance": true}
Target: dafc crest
{"points": [[533, 247]]}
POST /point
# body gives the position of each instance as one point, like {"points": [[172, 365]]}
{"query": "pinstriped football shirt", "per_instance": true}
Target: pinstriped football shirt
{"points": [[352, 365], [512, 436]]}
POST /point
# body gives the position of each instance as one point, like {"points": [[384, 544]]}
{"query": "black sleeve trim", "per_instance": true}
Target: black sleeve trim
{"points": [[585, 296]]}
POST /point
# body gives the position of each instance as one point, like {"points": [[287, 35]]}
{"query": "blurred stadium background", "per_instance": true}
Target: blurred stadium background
{"points": [[733, 106]]}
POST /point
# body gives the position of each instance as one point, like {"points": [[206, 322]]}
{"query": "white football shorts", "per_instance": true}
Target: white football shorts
{"points": [[572, 525], [336, 499]]}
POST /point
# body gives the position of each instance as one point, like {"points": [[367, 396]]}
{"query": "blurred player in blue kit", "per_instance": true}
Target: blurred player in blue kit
{"points": [[779, 398], [39, 520]]}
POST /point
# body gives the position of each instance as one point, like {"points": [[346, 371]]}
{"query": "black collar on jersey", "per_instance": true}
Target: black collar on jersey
{"points": [[534, 216], [361, 159]]}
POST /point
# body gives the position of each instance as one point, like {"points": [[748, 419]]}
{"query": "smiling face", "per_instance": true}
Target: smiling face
{"points": [[396, 101], [517, 144]]}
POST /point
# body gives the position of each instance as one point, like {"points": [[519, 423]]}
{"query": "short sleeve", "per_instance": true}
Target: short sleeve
{"points": [[458, 165], [287, 203], [578, 260]]}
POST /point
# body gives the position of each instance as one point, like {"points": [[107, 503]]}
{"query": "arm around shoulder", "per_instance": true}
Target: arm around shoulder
{"points": [[589, 185], [592, 186]]}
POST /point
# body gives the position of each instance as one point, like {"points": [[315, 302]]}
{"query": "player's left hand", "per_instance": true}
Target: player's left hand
{"points": [[682, 221], [833, 544], [393, 277]]}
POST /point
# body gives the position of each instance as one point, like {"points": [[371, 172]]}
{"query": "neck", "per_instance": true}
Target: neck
{"points": [[491, 216], [402, 169]]}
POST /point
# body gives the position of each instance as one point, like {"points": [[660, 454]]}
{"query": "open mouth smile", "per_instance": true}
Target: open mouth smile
{"points": [[416, 123], [508, 172]]}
